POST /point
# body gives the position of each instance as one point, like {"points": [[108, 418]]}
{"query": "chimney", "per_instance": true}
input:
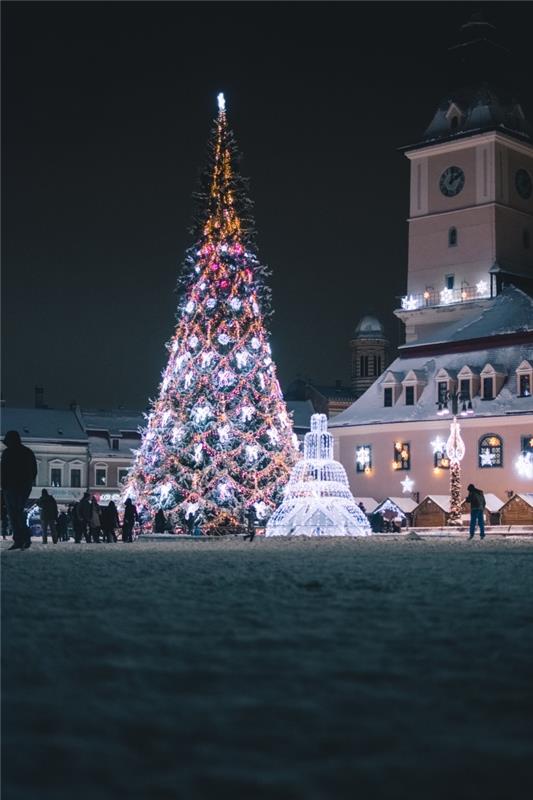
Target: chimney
{"points": [[39, 397]]}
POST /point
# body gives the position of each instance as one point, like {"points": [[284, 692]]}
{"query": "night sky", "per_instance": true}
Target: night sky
{"points": [[106, 112]]}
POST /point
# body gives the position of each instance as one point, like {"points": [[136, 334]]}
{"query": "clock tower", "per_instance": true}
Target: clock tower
{"points": [[471, 202]]}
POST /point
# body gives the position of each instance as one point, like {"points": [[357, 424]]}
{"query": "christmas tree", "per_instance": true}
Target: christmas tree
{"points": [[218, 439]]}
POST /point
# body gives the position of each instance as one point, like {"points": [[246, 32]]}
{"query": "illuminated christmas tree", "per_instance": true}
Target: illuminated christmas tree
{"points": [[218, 438]]}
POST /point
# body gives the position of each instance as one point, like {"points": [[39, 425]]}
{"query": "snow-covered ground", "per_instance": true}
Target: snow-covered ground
{"points": [[360, 669]]}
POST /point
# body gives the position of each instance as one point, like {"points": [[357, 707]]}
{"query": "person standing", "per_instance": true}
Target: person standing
{"points": [[129, 520], [476, 499], [95, 521], [62, 526], [83, 513], [47, 504], [160, 522], [110, 522], [18, 470], [250, 524]]}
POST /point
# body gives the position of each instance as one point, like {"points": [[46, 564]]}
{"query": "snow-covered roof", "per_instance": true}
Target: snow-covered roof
{"points": [[441, 500], [404, 504], [493, 503], [509, 312], [301, 413], [369, 408], [114, 421], [369, 327], [527, 497], [370, 503], [50, 424]]}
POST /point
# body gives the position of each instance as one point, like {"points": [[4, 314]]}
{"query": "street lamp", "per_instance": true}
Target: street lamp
{"points": [[455, 447]]}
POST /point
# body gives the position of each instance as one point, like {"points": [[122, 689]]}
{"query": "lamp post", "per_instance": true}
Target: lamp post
{"points": [[455, 447]]}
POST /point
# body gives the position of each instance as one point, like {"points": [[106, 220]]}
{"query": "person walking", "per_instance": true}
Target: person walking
{"points": [[47, 504], [110, 522], [18, 472], [95, 522], [129, 520], [477, 502], [250, 524], [83, 515], [62, 526]]}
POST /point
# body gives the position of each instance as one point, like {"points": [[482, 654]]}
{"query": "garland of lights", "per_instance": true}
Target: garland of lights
{"points": [[218, 438]]}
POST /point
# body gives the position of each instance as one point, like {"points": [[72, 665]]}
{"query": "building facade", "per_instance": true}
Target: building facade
{"points": [[468, 315]]}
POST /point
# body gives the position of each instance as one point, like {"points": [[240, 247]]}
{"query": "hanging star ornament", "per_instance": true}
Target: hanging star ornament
{"points": [[407, 484], [486, 458]]}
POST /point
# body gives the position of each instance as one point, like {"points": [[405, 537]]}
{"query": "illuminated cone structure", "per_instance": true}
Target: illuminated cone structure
{"points": [[218, 438], [318, 501]]}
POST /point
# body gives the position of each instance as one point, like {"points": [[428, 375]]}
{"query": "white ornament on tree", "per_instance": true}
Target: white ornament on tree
{"points": [[247, 412], [223, 433]]}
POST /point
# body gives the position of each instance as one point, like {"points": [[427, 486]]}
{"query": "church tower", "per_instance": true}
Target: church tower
{"points": [[471, 197], [369, 349]]}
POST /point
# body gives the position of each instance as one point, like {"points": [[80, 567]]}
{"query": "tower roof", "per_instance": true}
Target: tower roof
{"points": [[369, 326]]}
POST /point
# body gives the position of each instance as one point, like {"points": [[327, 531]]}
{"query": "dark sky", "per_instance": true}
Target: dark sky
{"points": [[106, 111]]}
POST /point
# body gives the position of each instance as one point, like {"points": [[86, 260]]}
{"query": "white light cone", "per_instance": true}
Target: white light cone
{"points": [[318, 501]]}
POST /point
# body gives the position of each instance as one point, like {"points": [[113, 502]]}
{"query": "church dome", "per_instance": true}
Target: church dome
{"points": [[369, 326]]}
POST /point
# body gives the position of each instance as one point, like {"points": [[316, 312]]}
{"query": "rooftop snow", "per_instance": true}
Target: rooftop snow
{"points": [[43, 423]]}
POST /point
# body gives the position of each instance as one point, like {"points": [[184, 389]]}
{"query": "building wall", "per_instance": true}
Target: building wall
{"points": [[60, 456], [384, 481], [510, 249]]}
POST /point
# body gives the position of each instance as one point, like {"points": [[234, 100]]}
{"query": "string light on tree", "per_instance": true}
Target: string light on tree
{"points": [[219, 406]]}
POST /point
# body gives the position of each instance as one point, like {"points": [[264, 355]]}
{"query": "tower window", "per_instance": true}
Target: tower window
{"points": [[452, 238], [526, 239], [377, 365], [387, 397], [363, 366]]}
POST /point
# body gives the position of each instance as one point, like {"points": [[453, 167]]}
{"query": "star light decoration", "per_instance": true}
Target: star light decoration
{"points": [[446, 296], [486, 458], [407, 485], [409, 303], [438, 445], [362, 456], [482, 288], [524, 465]]}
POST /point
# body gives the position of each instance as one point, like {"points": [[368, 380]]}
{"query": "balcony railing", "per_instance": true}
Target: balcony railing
{"points": [[445, 297]]}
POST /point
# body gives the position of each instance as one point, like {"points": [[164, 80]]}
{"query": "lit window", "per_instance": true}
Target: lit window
{"points": [[525, 385], [56, 475], [527, 444], [387, 397], [402, 455], [490, 451]]}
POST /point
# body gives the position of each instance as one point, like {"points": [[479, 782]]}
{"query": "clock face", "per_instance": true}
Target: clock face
{"points": [[523, 184], [452, 181]]}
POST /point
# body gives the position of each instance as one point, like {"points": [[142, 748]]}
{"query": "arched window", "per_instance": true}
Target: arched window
{"points": [[363, 366], [526, 239], [452, 237], [377, 365], [490, 451]]}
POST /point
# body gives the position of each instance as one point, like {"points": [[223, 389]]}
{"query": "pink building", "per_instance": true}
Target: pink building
{"points": [[468, 315]]}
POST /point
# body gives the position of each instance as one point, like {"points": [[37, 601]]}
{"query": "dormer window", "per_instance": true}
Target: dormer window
{"points": [[413, 385], [391, 389], [492, 379], [468, 382], [454, 116], [454, 123], [524, 379], [114, 444], [445, 385], [452, 241]]}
